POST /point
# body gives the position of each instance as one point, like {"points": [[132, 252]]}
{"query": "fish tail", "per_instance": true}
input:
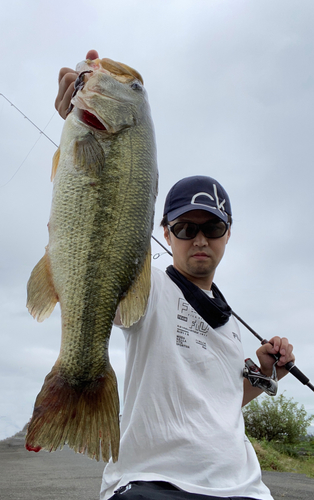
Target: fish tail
{"points": [[84, 416]]}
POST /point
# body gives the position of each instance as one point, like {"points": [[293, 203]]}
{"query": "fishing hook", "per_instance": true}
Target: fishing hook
{"points": [[78, 85]]}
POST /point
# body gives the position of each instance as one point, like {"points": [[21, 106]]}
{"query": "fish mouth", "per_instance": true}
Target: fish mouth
{"points": [[91, 120]]}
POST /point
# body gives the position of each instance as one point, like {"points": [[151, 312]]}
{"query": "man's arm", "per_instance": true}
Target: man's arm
{"points": [[276, 345], [67, 77]]}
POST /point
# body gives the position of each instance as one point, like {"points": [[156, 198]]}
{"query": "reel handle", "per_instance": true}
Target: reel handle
{"points": [[294, 370]]}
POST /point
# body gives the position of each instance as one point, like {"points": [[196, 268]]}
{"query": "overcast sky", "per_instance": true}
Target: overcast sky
{"points": [[230, 85]]}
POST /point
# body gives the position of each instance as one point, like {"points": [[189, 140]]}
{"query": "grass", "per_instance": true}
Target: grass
{"points": [[297, 458]]}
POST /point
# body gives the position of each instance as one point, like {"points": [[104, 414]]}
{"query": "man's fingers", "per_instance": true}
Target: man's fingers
{"points": [[281, 345], [286, 354], [63, 104], [65, 71], [92, 54], [67, 78]]}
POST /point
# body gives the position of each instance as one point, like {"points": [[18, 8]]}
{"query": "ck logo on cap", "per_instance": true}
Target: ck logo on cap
{"points": [[219, 205]]}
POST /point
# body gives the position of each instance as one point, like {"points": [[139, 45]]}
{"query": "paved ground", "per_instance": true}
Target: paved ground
{"points": [[289, 486], [64, 475]]}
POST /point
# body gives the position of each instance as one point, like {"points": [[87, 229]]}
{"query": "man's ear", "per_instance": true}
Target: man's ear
{"points": [[228, 235], [167, 235]]}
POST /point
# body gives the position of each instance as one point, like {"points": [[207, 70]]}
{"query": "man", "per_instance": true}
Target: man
{"points": [[182, 430]]}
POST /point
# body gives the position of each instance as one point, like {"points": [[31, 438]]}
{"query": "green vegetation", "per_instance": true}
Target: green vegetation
{"points": [[277, 428], [276, 419], [297, 458]]}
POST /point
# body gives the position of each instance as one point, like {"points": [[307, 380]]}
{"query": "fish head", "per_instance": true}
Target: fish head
{"points": [[112, 97]]}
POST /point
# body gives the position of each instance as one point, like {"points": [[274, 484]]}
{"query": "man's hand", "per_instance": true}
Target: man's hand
{"points": [[276, 345], [67, 77]]}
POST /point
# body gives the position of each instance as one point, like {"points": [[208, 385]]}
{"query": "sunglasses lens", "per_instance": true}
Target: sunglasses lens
{"points": [[185, 230], [214, 229], [188, 230]]}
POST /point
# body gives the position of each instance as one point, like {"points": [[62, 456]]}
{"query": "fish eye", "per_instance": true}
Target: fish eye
{"points": [[136, 86]]}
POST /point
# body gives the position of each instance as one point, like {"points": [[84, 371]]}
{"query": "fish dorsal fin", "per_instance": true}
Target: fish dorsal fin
{"points": [[133, 306], [89, 155], [55, 163], [41, 294]]}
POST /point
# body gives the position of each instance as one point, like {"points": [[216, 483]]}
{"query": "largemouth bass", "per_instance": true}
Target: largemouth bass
{"points": [[98, 256]]}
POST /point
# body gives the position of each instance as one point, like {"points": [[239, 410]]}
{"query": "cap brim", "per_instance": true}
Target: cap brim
{"points": [[188, 208]]}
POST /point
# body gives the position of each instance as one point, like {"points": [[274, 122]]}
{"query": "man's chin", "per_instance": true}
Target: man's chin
{"points": [[200, 271]]}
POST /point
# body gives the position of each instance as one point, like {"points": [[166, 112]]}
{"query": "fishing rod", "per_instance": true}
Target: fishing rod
{"points": [[294, 370], [26, 117], [291, 367], [162, 246]]}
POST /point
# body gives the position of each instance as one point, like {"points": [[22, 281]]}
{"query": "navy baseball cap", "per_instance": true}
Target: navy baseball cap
{"points": [[197, 193]]}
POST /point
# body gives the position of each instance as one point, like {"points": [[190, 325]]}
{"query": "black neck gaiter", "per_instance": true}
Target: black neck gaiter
{"points": [[215, 312]]}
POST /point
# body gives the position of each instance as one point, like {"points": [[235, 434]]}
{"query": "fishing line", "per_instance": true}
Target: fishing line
{"points": [[3, 185], [167, 251], [289, 366], [41, 131]]}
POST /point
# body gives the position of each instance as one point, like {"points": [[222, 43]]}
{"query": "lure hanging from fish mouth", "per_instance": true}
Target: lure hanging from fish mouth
{"points": [[78, 85]]}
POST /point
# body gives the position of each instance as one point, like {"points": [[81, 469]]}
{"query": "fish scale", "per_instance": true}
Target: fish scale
{"points": [[98, 256]]}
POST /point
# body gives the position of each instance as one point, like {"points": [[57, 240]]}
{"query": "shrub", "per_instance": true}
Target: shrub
{"points": [[276, 419]]}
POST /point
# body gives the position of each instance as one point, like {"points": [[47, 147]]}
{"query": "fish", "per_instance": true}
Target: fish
{"points": [[98, 256]]}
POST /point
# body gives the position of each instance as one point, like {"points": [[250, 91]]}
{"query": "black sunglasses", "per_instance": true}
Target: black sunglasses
{"points": [[189, 230]]}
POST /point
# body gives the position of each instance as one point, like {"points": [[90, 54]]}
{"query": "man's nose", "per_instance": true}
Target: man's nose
{"points": [[200, 239]]}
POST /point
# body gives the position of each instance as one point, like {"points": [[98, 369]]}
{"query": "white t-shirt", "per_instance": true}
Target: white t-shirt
{"points": [[182, 420]]}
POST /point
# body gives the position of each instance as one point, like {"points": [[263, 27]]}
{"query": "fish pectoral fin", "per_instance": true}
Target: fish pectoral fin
{"points": [[133, 305], [55, 163], [41, 294], [89, 154]]}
